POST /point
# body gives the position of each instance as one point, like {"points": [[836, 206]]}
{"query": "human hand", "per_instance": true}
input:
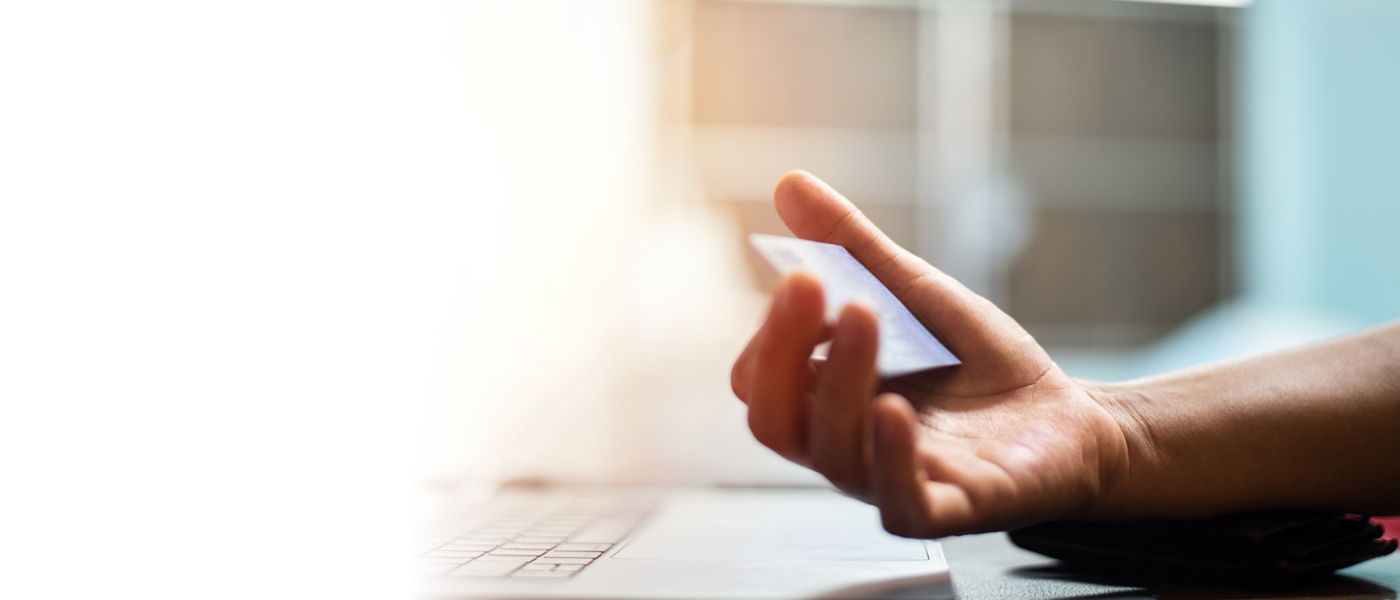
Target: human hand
{"points": [[1002, 440]]}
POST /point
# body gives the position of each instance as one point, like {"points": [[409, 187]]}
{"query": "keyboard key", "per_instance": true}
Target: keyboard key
{"points": [[492, 557], [564, 561], [467, 547], [541, 567], [539, 539], [557, 554], [527, 546], [529, 553], [566, 567], [543, 574], [479, 568], [567, 547]]}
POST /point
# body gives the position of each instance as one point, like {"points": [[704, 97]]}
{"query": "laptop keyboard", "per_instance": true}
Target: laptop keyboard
{"points": [[552, 534]]}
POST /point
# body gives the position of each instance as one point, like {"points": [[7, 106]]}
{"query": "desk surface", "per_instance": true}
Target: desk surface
{"points": [[989, 567]]}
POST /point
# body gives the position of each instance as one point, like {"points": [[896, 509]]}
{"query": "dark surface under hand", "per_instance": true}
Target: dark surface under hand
{"points": [[989, 566]]}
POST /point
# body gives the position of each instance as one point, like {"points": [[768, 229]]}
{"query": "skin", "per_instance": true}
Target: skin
{"points": [[1007, 439]]}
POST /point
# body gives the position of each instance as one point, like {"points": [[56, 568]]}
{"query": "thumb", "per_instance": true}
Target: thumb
{"points": [[985, 338]]}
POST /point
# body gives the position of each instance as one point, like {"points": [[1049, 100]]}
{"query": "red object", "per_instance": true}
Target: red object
{"points": [[1391, 525]]}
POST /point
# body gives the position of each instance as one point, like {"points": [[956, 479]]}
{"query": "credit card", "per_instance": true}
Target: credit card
{"points": [[905, 345]]}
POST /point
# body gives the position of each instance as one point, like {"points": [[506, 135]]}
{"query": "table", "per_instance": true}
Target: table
{"points": [[989, 566]]}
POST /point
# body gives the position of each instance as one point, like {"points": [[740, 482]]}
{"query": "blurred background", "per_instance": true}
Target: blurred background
{"points": [[1142, 185], [268, 268]]}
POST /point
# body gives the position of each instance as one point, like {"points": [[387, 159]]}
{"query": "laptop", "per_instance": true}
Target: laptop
{"points": [[693, 543]]}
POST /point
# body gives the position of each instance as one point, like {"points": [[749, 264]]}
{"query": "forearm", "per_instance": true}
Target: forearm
{"points": [[1312, 428]]}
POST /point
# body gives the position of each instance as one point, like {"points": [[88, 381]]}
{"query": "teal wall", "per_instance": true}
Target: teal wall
{"points": [[1318, 168], [1319, 165]]}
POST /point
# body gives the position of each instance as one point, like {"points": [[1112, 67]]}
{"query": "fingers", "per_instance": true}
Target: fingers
{"points": [[837, 423], [934, 490], [897, 481], [741, 375], [776, 366]]}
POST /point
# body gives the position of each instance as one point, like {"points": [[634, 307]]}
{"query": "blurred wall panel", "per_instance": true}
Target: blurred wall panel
{"points": [[1320, 133], [1120, 173], [1117, 132], [1087, 75], [781, 64], [867, 165], [1092, 278]]}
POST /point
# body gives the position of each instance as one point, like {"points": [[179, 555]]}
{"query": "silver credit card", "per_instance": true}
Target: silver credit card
{"points": [[905, 345]]}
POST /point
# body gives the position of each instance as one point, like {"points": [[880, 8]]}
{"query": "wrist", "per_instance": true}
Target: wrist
{"points": [[1126, 463]]}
